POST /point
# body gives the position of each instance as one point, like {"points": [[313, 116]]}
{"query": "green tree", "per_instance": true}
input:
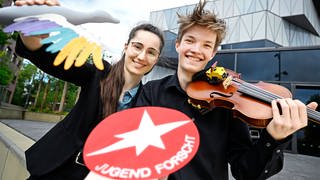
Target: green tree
{"points": [[44, 106], [71, 96], [38, 89], [4, 37], [56, 95], [6, 74], [47, 91], [28, 71], [63, 97]]}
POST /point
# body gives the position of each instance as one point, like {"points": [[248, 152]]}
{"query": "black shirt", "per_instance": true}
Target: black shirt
{"points": [[223, 139], [55, 153]]}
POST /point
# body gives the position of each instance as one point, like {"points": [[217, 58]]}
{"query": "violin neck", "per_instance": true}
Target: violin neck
{"points": [[266, 96], [313, 115]]}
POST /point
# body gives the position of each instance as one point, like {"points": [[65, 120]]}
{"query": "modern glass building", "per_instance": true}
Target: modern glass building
{"points": [[275, 41]]}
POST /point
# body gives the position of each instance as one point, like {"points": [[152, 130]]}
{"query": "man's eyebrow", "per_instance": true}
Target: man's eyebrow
{"points": [[190, 36], [210, 42], [207, 42]]}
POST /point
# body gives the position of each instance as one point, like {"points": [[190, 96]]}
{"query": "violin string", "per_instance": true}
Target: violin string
{"points": [[311, 113], [267, 96], [262, 91], [315, 115], [254, 91]]}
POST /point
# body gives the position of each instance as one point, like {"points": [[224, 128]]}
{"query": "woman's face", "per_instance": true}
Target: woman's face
{"points": [[142, 53]]}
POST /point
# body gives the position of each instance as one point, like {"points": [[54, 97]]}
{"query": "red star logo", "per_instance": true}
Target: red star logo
{"points": [[141, 143]]}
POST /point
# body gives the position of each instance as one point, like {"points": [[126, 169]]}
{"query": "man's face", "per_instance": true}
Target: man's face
{"points": [[195, 49]]}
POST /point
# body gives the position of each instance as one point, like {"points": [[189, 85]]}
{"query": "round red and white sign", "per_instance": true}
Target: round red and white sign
{"points": [[141, 143]]}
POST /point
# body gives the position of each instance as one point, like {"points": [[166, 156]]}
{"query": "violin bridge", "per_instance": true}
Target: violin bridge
{"points": [[226, 83]]}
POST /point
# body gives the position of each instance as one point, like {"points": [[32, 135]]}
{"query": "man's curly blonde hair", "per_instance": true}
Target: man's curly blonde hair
{"points": [[205, 18]]}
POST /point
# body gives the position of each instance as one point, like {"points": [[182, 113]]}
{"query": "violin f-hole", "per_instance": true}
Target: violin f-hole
{"points": [[220, 94]]}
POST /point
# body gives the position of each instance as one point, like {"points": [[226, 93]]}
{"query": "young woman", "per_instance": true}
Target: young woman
{"points": [[58, 155]]}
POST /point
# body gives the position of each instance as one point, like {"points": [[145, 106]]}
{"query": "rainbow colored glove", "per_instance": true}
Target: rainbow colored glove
{"points": [[75, 44]]}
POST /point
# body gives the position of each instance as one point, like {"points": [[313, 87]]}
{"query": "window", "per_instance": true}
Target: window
{"points": [[302, 65], [258, 66], [308, 141]]}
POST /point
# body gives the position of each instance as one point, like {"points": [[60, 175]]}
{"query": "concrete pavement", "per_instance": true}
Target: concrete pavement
{"points": [[32, 129], [296, 167]]}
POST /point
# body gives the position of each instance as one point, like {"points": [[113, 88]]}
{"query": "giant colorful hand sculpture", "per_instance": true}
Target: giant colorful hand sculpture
{"points": [[75, 44]]}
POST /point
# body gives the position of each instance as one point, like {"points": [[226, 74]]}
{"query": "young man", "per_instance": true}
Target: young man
{"points": [[223, 139]]}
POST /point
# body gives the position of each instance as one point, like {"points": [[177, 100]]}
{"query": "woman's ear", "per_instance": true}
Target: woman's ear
{"points": [[125, 46]]}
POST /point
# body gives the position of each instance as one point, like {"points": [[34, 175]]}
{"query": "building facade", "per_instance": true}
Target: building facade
{"points": [[274, 22], [275, 41]]}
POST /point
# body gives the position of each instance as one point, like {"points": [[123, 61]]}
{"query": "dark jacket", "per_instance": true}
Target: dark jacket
{"points": [[223, 139], [68, 137]]}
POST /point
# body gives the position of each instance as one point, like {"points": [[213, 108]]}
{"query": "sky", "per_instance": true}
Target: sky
{"points": [[129, 12]]}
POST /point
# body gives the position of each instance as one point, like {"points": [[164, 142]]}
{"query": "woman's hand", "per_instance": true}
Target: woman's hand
{"points": [[60, 35], [33, 42], [37, 2]]}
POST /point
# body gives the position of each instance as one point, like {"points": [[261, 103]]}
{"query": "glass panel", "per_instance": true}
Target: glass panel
{"points": [[169, 49], [258, 66], [224, 60], [308, 140], [300, 65]]}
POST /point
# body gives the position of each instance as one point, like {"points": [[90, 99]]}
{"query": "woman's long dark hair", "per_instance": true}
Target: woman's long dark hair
{"points": [[112, 85]]}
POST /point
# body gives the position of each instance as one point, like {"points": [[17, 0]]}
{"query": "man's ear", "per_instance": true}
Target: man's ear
{"points": [[214, 52], [177, 45]]}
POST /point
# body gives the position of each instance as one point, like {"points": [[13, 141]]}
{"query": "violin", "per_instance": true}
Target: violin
{"points": [[250, 102]]}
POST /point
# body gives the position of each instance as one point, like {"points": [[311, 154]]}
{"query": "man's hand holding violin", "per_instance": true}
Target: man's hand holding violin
{"points": [[292, 118]]}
